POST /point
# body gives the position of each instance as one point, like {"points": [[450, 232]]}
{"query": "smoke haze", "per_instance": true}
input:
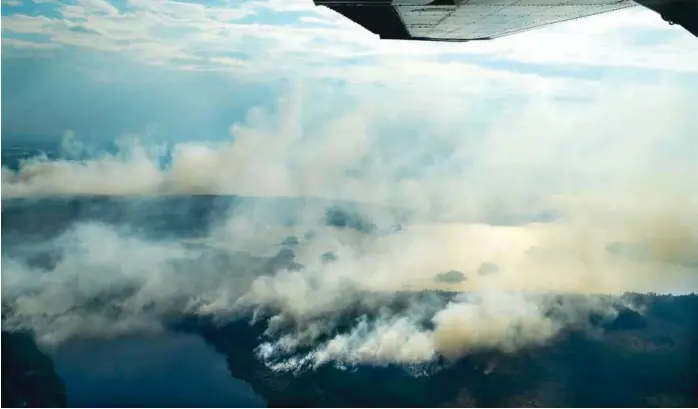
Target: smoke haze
{"points": [[522, 211]]}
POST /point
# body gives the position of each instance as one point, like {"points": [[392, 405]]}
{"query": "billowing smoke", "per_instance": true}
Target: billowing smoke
{"points": [[329, 289]]}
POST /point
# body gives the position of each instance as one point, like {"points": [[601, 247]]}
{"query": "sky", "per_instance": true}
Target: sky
{"points": [[189, 70], [299, 97], [593, 120]]}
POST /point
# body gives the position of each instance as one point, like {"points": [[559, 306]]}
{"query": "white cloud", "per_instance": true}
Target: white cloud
{"points": [[13, 42], [164, 30], [101, 7]]}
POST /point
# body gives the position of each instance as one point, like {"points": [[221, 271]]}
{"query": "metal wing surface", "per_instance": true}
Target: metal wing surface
{"points": [[465, 20]]}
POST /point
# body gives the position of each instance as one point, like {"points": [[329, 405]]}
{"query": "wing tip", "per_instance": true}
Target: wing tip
{"points": [[383, 19]]}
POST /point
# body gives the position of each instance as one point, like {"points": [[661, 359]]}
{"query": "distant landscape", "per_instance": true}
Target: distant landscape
{"points": [[644, 360], [177, 289]]}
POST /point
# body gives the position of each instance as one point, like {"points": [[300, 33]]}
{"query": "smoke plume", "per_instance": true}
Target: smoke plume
{"points": [[521, 211]]}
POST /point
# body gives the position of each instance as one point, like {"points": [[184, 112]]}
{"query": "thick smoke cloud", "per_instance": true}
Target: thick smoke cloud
{"points": [[635, 231]]}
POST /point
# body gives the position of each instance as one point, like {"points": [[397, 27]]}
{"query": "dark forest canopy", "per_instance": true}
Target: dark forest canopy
{"points": [[644, 359]]}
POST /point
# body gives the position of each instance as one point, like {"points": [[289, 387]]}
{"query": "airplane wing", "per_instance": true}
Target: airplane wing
{"points": [[467, 20]]}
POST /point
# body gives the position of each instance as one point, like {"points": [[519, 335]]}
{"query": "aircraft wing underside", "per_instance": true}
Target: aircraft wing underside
{"points": [[465, 20]]}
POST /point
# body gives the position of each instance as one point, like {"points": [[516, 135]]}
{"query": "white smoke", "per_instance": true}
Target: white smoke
{"points": [[112, 281]]}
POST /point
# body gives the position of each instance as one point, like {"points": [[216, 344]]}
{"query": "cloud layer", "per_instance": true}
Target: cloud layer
{"points": [[221, 36]]}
